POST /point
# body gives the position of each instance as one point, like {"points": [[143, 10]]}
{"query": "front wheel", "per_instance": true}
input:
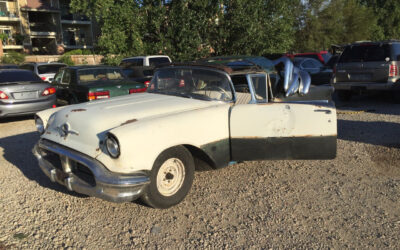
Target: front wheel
{"points": [[171, 178]]}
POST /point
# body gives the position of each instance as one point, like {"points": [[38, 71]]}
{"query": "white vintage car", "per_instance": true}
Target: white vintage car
{"points": [[148, 145]]}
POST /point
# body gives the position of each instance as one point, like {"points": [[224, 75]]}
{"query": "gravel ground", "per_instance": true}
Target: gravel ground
{"points": [[350, 202]]}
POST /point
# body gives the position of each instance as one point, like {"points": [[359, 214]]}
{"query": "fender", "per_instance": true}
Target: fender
{"points": [[141, 141]]}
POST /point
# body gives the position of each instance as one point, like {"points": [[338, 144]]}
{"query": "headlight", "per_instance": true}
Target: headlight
{"points": [[112, 146], [39, 125]]}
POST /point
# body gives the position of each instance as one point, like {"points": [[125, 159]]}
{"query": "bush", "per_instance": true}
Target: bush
{"points": [[13, 58], [66, 57], [114, 60]]}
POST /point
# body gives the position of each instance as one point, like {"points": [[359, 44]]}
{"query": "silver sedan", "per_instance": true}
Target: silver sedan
{"points": [[22, 92]]}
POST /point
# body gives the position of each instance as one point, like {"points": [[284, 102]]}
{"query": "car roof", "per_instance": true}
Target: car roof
{"points": [[44, 63], [77, 67], [14, 70], [217, 66]]}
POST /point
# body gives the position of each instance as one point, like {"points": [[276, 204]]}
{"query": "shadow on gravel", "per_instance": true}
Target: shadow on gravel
{"points": [[16, 119], [371, 103], [18, 151], [385, 134]]}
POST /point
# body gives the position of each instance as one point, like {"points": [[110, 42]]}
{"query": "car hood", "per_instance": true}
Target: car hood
{"points": [[88, 123]]}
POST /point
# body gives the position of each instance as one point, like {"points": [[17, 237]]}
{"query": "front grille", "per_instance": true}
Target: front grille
{"points": [[80, 170], [84, 173], [52, 158]]}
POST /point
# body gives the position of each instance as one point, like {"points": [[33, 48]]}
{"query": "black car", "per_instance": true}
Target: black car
{"points": [[368, 66], [88, 83], [319, 73]]}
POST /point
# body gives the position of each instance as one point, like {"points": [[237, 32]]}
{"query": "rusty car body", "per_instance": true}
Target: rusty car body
{"points": [[194, 115]]}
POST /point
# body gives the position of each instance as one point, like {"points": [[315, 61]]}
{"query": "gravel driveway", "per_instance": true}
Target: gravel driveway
{"points": [[350, 202]]}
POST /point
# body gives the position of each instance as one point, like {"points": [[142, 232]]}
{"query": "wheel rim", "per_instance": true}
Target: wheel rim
{"points": [[170, 177]]}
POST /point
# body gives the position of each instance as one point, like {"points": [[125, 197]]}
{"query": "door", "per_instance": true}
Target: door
{"points": [[277, 131]]}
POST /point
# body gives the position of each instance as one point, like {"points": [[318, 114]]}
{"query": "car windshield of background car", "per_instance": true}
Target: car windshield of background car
{"points": [[18, 76], [104, 74], [49, 69], [192, 83]]}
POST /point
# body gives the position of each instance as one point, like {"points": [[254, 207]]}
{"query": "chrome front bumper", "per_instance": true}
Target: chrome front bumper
{"points": [[114, 187]]}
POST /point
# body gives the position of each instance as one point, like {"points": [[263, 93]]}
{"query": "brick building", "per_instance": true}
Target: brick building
{"points": [[43, 27]]}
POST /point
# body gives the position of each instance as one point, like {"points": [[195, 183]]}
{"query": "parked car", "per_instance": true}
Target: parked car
{"points": [[23, 93], [8, 66], [45, 71], [319, 73], [141, 68], [322, 56], [77, 84], [368, 66], [193, 116]]}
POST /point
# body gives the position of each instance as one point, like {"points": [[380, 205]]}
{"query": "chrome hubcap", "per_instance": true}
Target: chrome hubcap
{"points": [[170, 177]]}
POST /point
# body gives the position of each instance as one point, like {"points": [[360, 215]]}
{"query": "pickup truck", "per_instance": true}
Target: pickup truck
{"points": [[141, 68]]}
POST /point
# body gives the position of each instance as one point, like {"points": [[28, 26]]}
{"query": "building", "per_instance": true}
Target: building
{"points": [[43, 27]]}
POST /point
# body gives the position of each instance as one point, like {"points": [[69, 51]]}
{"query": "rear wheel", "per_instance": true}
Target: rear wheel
{"points": [[171, 178], [344, 95]]}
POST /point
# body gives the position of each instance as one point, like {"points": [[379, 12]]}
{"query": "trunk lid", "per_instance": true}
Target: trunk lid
{"points": [[23, 91]]}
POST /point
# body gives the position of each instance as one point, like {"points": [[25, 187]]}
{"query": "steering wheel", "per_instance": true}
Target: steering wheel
{"points": [[216, 88]]}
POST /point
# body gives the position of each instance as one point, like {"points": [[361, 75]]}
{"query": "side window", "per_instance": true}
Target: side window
{"points": [[27, 67], [158, 60], [260, 87], [58, 77], [307, 64], [66, 77]]}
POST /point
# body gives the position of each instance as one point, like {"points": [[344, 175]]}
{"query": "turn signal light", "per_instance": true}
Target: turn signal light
{"points": [[49, 91], [147, 83], [131, 91], [98, 95], [3, 96]]}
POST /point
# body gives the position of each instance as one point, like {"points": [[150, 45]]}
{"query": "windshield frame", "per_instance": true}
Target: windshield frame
{"points": [[225, 74]]}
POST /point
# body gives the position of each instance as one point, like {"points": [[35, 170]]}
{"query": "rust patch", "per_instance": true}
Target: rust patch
{"points": [[129, 121], [97, 149], [48, 132], [78, 110]]}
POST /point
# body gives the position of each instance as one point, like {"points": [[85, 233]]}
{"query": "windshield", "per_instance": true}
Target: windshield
{"points": [[49, 68], [19, 76], [192, 83], [104, 74]]}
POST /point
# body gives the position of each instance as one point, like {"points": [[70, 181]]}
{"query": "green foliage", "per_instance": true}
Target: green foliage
{"points": [[66, 57], [112, 60], [191, 29], [335, 22], [388, 15], [13, 58]]}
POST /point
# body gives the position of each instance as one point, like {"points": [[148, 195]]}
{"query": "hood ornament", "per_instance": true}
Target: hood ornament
{"points": [[65, 130]]}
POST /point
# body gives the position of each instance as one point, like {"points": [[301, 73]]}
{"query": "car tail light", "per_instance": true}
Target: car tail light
{"points": [[147, 83], [98, 95], [49, 91], [3, 96], [43, 78], [131, 91], [393, 71]]}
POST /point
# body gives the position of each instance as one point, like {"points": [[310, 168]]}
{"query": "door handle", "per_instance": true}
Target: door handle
{"points": [[326, 111]]}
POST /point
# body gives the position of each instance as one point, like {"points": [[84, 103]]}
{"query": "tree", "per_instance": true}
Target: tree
{"points": [[388, 14], [335, 22]]}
